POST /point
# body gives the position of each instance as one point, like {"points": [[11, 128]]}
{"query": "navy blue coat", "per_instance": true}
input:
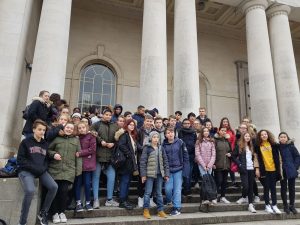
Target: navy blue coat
{"points": [[139, 119], [178, 156], [189, 137], [290, 160]]}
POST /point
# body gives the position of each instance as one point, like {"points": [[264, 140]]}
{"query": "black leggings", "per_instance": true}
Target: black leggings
{"points": [[221, 181], [59, 204], [270, 186], [247, 183]]}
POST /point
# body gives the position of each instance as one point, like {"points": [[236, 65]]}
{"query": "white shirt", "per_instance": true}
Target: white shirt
{"points": [[249, 162]]}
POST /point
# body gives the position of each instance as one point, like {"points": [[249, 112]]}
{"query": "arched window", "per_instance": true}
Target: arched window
{"points": [[97, 87]]}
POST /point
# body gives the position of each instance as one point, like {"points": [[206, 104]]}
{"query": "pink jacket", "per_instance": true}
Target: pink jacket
{"points": [[205, 153]]}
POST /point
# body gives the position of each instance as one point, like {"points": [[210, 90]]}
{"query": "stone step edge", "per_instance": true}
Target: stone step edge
{"points": [[187, 218]]}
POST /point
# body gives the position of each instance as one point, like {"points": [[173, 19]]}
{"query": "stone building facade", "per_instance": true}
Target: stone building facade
{"points": [[235, 57]]}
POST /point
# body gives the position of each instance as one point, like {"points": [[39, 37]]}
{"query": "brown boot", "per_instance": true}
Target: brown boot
{"points": [[146, 214], [162, 214]]}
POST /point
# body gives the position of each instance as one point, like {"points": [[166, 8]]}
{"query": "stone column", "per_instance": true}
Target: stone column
{"points": [[51, 50], [263, 99], [285, 72], [186, 72], [153, 80], [14, 29]]}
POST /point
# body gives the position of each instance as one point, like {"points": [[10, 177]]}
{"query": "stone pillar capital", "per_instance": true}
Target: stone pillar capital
{"points": [[249, 5], [278, 10]]}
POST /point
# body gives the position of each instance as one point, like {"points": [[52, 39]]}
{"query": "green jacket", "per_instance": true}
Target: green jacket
{"points": [[106, 132], [222, 148], [69, 166]]}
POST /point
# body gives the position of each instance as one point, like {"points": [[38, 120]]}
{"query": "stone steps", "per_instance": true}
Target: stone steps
{"points": [[184, 218], [186, 208]]}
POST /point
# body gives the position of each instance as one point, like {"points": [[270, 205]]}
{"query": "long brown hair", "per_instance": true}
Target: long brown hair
{"points": [[229, 126], [271, 137], [134, 132], [201, 136], [242, 143]]}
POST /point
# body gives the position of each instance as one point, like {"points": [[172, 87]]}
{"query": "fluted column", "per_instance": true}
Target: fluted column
{"points": [[264, 111], [153, 80], [285, 71], [14, 29], [51, 50], [186, 72]]}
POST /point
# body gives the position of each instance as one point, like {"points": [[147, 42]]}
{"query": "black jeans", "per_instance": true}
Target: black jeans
{"points": [[270, 185], [60, 202], [291, 184], [221, 181], [247, 180], [255, 188]]}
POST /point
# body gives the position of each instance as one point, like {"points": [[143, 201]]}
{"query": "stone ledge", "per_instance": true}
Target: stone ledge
{"points": [[11, 197]]}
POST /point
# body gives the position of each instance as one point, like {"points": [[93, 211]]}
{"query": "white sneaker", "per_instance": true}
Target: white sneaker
{"points": [[96, 204], [276, 210], [224, 200], [197, 186], [152, 203], [251, 208], [241, 201], [112, 203], [206, 202], [256, 199], [215, 202], [268, 209], [63, 218], [55, 218], [140, 202]]}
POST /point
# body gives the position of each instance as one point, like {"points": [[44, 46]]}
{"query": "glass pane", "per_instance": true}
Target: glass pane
{"points": [[99, 69], [87, 98], [97, 99], [108, 75], [88, 87], [106, 89], [105, 99], [98, 84]]}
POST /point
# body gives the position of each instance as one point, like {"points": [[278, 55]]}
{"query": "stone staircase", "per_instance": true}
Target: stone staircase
{"points": [[192, 212]]}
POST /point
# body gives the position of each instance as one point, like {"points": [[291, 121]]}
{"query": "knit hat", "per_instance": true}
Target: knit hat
{"points": [[76, 115], [152, 133]]}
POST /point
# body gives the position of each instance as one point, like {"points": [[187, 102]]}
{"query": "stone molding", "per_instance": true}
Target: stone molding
{"points": [[278, 10], [254, 4]]}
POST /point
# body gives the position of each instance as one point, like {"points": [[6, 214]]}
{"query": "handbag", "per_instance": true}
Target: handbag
{"points": [[234, 167], [208, 188], [118, 158]]}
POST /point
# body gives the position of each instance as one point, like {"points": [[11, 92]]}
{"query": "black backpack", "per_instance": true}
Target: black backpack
{"points": [[118, 158], [208, 188], [25, 112]]}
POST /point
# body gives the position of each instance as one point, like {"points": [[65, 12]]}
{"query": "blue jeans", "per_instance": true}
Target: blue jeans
{"points": [[203, 171], [148, 190], [110, 174], [84, 178], [188, 180], [124, 186], [27, 182], [173, 189]]}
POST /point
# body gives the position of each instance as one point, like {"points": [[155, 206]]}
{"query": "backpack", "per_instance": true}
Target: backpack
{"points": [[208, 188], [25, 112], [118, 158], [10, 169]]}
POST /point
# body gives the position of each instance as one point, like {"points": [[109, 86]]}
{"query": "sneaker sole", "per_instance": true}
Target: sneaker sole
{"points": [[81, 210], [40, 219]]}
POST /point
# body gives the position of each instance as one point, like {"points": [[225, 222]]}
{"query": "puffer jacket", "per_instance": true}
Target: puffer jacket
{"points": [[276, 158], [290, 160], [222, 148], [106, 132], [149, 162], [69, 166], [205, 153], [88, 152], [37, 110], [189, 137], [178, 156]]}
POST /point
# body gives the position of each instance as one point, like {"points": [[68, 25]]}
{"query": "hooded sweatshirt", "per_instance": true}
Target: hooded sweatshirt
{"points": [[115, 116], [32, 156]]}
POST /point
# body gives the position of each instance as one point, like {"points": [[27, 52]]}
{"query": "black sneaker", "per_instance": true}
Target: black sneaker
{"points": [[175, 212], [286, 209], [79, 208], [43, 218], [126, 205], [88, 207], [293, 209]]}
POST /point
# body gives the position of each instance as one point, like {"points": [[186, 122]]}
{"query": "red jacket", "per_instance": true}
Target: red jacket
{"points": [[231, 139]]}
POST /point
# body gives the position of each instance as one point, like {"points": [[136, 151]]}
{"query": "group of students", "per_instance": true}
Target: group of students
{"points": [[72, 151]]}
